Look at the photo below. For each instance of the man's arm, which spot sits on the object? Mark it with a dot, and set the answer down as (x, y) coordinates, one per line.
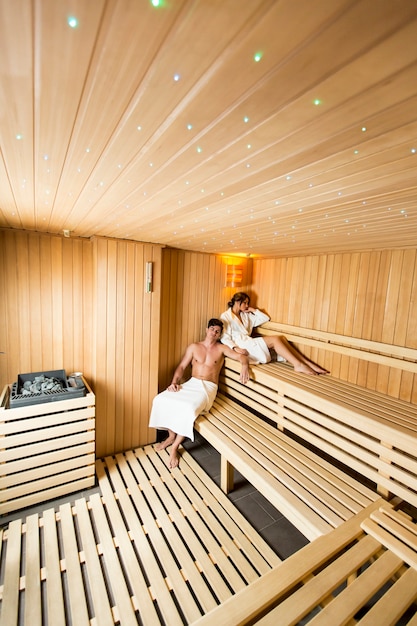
(244, 371)
(180, 369)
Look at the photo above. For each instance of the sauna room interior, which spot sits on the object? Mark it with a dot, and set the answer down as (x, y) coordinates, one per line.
(150, 148)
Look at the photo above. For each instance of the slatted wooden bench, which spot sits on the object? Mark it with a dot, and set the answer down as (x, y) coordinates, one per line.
(360, 430)
(363, 572)
(314, 495)
(371, 433)
(151, 547)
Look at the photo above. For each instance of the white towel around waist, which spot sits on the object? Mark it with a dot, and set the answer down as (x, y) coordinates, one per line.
(177, 410)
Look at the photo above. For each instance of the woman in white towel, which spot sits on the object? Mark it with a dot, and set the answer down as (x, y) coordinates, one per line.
(176, 408)
(239, 321)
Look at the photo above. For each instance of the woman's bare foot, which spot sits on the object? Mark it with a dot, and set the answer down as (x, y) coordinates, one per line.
(303, 368)
(164, 444)
(317, 368)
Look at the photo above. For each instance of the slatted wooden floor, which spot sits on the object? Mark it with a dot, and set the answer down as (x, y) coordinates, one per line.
(153, 547)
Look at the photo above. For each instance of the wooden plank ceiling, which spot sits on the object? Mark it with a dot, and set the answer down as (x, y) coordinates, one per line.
(262, 127)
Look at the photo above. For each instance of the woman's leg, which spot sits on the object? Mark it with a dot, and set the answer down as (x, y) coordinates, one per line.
(284, 348)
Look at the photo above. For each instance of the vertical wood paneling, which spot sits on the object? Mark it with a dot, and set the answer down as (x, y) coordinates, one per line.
(127, 342)
(193, 291)
(80, 305)
(48, 325)
(369, 295)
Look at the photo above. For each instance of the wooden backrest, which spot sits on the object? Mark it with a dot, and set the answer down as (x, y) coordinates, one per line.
(372, 351)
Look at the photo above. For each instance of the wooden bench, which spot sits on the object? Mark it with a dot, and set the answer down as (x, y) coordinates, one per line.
(359, 573)
(370, 433)
(314, 495)
(278, 429)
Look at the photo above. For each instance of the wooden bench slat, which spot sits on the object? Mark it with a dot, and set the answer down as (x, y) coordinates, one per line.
(403, 529)
(117, 558)
(345, 434)
(173, 528)
(303, 517)
(56, 611)
(348, 444)
(33, 609)
(212, 544)
(373, 351)
(10, 599)
(100, 600)
(76, 589)
(377, 439)
(394, 543)
(148, 613)
(115, 574)
(248, 605)
(391, 607)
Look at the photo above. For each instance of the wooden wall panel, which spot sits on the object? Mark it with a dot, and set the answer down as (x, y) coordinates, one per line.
(127, 342)
(193, 291)
(370, 295)
(45, 304)
(81, 305)
(77, 304)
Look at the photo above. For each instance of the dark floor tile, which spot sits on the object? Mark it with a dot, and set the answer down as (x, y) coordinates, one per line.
(283, 538)
(242, 488)
(269, 508)
(254, 513)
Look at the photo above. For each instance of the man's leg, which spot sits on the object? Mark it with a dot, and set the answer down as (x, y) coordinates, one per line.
(174, 457)
(166, 442)
(175, 441)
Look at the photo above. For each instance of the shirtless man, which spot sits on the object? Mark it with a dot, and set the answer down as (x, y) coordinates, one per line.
(176, 408)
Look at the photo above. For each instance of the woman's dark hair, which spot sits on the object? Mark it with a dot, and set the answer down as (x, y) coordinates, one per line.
(240, 296)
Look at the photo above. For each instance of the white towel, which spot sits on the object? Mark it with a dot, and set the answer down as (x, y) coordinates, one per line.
(177, 410)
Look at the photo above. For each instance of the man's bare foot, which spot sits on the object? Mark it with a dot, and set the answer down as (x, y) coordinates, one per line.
(174, 459)
(164, 444)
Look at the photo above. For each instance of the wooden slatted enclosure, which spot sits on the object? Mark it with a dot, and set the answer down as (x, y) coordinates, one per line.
(152, 547)
(46, 449)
